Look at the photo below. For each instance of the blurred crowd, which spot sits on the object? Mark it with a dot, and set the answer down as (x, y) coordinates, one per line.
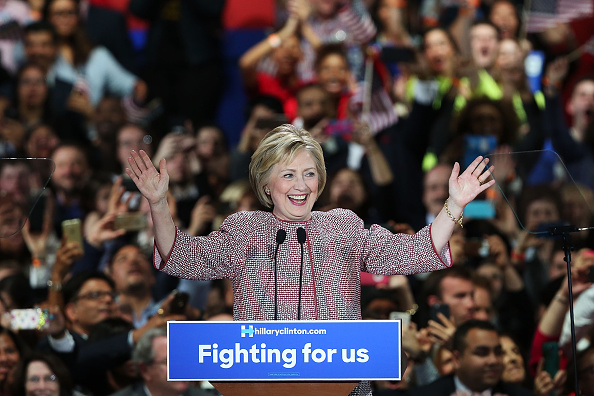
(396, 92)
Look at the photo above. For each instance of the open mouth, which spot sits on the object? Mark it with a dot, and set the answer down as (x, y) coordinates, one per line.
(298, 199)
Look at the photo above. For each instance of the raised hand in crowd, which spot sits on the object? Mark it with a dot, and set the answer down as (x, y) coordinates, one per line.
(203, 214)
(115, 204)
(555, 73)
(544, 384)
(525, 241)
(79, 102)
(318, 132)
(103, 231)
(173, 143)
(37, 241)
(300, 8)
(380, 168)
(67, 254)
(56, 323)
(413, 344)
(441, 333)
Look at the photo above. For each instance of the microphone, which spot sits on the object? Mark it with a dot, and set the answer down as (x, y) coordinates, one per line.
(281, 235)
(301, 236)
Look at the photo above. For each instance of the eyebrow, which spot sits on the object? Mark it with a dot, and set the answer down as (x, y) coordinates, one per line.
(295, 170)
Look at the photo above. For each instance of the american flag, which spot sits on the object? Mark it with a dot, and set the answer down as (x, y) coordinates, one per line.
(545, 14)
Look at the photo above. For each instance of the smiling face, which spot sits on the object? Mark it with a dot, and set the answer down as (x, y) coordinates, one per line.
(294, 187)
(41, 380)
(504, 16)
(333, 73)
(513, 362)
(9, 356)
(63, 15)
(480, 364)
(287, 56)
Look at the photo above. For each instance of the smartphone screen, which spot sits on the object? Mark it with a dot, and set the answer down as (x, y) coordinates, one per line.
(475, 145)
(73, 231)
(480, 209)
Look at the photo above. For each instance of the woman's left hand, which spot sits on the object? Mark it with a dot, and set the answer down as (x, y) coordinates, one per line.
(466, 186)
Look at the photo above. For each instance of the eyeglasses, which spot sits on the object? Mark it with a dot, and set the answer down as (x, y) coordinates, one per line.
(96, 295)
(46, 378)
(161, 363)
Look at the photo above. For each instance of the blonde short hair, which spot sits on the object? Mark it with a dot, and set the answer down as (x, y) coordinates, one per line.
(278, 146)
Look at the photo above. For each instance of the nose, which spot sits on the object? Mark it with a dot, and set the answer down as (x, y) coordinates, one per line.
(300, 183)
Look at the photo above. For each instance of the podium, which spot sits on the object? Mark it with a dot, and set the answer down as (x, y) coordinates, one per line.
(285, 357)
(263, 388)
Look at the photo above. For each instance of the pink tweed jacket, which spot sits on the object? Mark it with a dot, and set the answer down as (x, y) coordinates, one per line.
(336, 249)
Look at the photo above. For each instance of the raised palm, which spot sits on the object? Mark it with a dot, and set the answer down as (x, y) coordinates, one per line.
(151, 183)
(466, 186)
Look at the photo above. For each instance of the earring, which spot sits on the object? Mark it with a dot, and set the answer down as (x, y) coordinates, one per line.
(267, 191)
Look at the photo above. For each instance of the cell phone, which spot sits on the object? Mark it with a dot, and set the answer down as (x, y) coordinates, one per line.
(339, 128)
(475, 145)
(480, 209)
(179, 303)
(130, 221)
(129, 184)
(73, 231)
(439, 308)
(550, 353)
(403, 316)
(270, 123)
(29, 319)
(397, 54)
(37, 215)
(476, 248)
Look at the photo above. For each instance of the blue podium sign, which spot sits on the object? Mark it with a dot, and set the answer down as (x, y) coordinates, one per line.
(284, 350)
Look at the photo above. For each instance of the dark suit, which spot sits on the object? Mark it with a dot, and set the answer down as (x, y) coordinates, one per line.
(445, 386)
(89, 362)
(138, 390)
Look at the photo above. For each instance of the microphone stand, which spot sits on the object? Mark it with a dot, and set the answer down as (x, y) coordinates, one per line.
(565, 232)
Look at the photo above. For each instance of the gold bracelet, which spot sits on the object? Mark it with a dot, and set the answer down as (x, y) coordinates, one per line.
(455, 220)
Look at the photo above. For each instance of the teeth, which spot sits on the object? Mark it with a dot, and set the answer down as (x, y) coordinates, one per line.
(297, 197)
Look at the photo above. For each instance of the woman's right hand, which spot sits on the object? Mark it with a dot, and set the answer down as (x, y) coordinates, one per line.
(152, 184)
